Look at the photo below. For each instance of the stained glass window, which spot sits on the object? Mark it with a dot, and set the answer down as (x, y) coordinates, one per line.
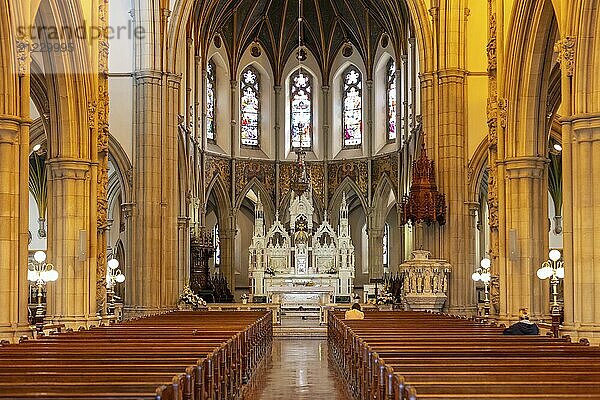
(352, 112)
(391, 100)
(301, 109)
(250, 107)
(211, 101)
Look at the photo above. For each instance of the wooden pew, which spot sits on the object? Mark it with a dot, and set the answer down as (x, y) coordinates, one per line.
(192, 356)
(389, 354)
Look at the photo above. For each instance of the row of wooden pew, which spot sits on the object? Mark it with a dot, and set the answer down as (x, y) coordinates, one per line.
(409, 355)
(172, 356)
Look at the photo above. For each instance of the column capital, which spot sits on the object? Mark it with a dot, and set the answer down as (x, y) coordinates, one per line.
(182, 222)
(525, 167)
(69, 168)
(147, 76)
(9, 129)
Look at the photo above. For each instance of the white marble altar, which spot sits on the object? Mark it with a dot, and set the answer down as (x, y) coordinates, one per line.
(319, 263)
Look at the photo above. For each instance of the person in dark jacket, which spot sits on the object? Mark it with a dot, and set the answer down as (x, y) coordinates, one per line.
(524, 326)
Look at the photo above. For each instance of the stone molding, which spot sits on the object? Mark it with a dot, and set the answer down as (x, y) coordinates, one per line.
(525, 167)
(65, 168)
(9, 130)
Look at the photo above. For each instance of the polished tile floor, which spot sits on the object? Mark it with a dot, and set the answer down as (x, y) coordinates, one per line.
(297, 369)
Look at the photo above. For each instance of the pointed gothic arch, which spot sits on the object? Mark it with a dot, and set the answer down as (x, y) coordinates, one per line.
(217, 190)
(346, 186)
(265, 197)
(381, 195)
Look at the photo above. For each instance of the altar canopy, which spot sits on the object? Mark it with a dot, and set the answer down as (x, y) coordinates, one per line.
(285, 262)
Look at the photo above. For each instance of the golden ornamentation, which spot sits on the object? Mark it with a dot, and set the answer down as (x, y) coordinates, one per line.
(23, 55)
(491, 45)
(386, 165)
(355, 170)
(263, 171)
(218, 166)
(566, 53)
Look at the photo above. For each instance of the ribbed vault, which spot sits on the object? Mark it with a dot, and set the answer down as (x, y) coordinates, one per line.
(329, 26)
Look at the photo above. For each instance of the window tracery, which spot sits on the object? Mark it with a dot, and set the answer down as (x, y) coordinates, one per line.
(391, 100)
(301, 109)
(211, 101)
(352, 107)
(250, 107)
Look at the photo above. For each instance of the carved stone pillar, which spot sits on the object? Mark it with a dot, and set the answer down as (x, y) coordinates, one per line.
(130, 282)
(582, 269)
(527, 230)
(227, 241)
(155, 191)
(14, 202)
(183, 233)
(375, 237)
(72, 298)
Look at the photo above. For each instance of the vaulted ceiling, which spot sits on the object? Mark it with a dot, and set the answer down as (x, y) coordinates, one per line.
(329, 26)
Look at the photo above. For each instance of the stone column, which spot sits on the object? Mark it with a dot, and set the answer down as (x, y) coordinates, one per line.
(72, 298)
(278, 144)
(327, 142)
(14, 202)
(527, 223)
(443, 105)
(130, 281)
(452, 182)
(369, 131)
(227, 238)
(155, 191)
(583, 269)
(375, 236)
(183, 229)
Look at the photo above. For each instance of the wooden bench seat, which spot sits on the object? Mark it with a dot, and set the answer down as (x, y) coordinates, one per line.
(172, 356)
(391, 354)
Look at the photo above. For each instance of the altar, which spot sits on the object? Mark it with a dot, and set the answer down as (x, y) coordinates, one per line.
(301, 265)
(293, 294)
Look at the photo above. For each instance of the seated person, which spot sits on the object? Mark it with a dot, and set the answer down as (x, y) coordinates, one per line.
(354, 312)
(524, 326)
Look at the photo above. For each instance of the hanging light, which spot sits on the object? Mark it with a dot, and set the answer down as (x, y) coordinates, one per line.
(301, 179)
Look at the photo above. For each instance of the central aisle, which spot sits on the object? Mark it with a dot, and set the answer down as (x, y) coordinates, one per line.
(297, 369)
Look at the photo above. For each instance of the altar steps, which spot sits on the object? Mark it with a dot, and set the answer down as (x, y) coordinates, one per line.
(300, 324)
(294, 332)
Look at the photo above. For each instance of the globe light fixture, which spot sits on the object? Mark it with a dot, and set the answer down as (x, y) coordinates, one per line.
(554, 270)
(39, 273)
(113, 276)
(483, 274)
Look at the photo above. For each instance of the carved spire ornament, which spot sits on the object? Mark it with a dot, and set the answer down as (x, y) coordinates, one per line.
(424, 203)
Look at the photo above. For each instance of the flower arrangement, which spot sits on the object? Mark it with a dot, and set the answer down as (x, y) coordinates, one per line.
(244, 298)
(385, 297)
(187, 296)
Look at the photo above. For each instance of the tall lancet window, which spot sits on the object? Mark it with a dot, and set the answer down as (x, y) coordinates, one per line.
(211, 101)
(352, 103)
(301, 109)
(250, 107)
(391, 100)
